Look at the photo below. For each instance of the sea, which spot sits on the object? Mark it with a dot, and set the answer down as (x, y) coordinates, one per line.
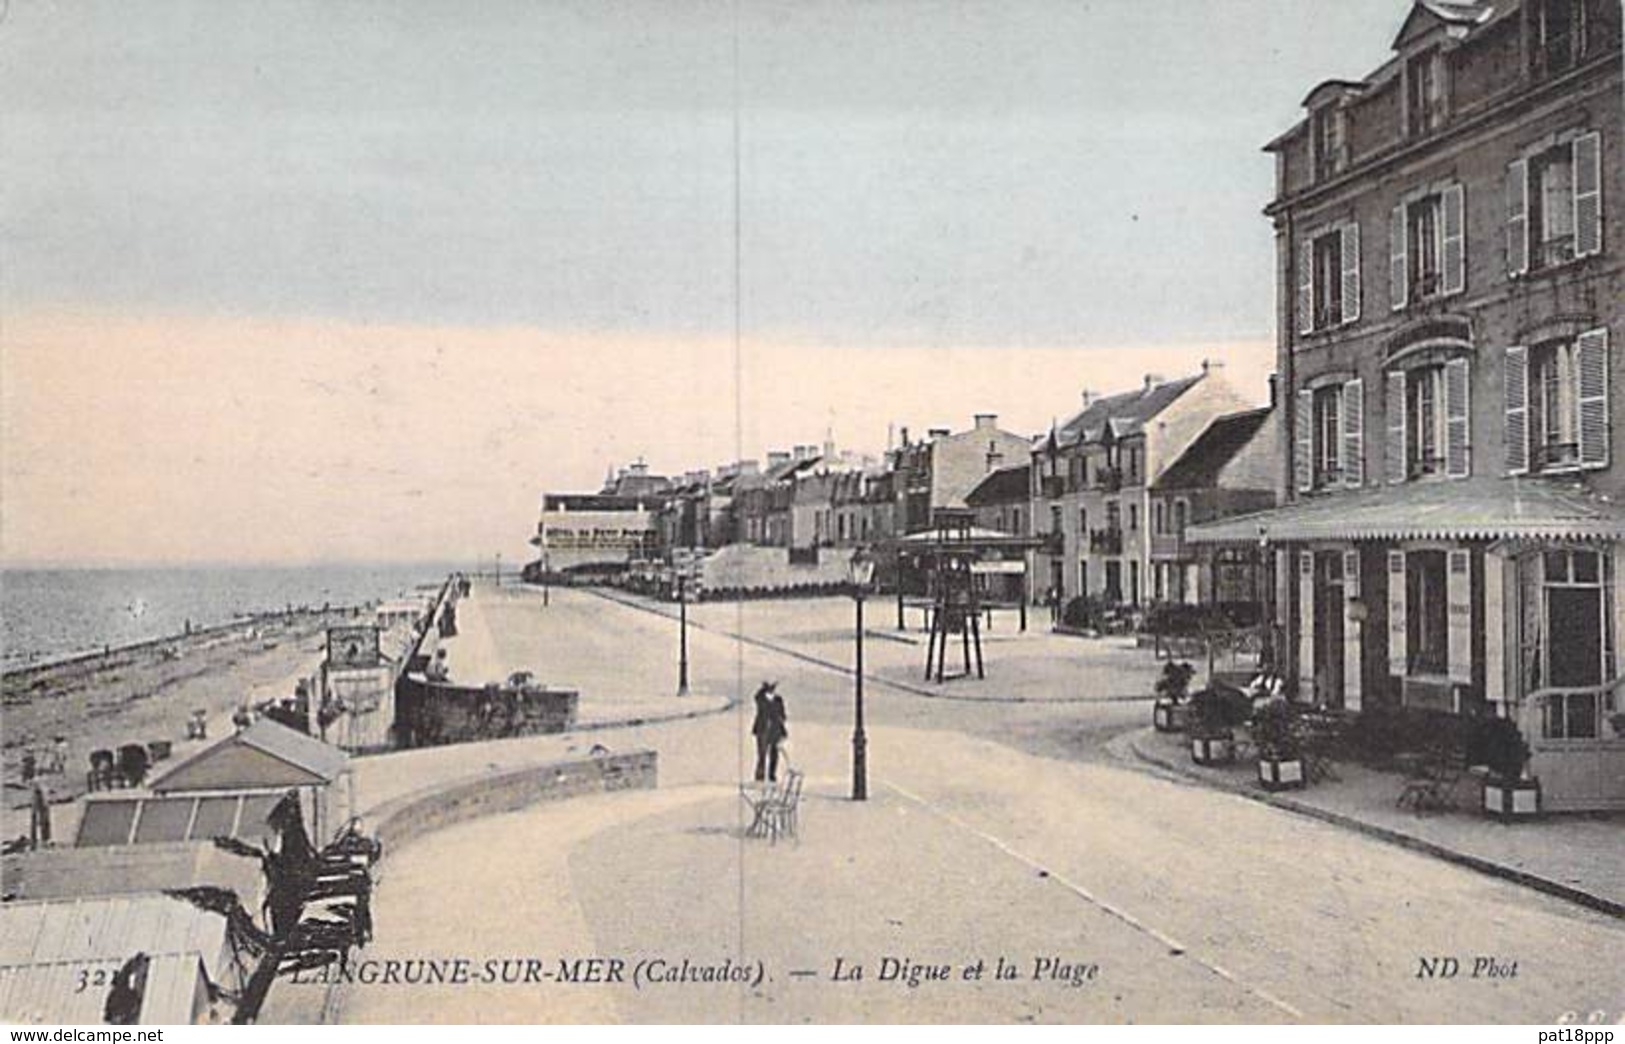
(54, 614)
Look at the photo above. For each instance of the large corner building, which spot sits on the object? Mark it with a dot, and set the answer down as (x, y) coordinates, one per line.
(1451, 243)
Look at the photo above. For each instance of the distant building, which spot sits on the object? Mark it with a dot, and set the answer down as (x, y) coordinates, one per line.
(1091, 477)
(1229, 470)
(595, 532)
(941, 470)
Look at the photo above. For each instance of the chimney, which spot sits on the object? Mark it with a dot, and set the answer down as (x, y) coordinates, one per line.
(805, 452)
(1152, 380)
(1275, 389)
(775, 458)
(1088, 398)
(936, 433)
(639, 467)
(986, 421)
(749, 467)
(904, 430)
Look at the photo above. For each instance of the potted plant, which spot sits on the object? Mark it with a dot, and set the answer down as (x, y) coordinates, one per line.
(1509, 792)
(1280, 750)
(1213, 742)
(1168, 713)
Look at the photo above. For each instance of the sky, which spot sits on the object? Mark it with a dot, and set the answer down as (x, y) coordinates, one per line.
(318, 281)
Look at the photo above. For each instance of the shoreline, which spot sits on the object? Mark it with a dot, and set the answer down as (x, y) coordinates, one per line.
(53, 661)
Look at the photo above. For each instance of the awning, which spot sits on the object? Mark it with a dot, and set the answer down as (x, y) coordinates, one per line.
(1478, 509)
(975, 538)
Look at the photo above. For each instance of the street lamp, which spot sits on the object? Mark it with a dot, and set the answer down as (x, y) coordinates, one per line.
(860, 574)
(682, 632)
(1266, 617)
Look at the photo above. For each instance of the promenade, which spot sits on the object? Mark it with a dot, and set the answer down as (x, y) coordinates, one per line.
(999, 826)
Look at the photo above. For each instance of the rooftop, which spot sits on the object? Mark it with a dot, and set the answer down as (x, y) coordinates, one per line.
(1199, 466)
(1002, 487)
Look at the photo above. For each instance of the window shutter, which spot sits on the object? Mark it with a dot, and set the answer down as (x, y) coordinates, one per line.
(1458, 418)
(1352, 628)
(1306, 286)
(1454, 254)
(1592, 349)
(1303, 427)
(1351, 271)
(1397, 626)
(1393, 446)
(1517, 218)
(1306, 625)
(1459, 593)
(1516, 428)
(1354, 433)
(1587, 194)
(1495, 626)
(1397, 263)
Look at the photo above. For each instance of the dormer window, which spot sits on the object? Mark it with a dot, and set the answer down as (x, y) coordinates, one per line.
(1326, 141)
(1558, 35)
(1424, 93)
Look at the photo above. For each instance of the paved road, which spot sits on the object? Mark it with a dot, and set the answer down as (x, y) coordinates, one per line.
(1191, 905)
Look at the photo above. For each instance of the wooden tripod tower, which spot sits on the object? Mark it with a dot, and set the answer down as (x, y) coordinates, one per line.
(954, 607)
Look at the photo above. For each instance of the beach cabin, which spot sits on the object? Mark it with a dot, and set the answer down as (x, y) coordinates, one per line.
(142, 959)
(225, 790)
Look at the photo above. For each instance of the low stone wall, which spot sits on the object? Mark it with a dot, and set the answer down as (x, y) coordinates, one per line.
(413, 815)
(429, 714)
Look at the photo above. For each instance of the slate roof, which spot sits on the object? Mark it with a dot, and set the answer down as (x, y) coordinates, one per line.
(1199, 466)
(277, 741)
(1125, 411)
(1474, 509)
(1005, 486)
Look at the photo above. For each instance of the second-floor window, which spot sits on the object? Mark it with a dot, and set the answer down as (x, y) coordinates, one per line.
(1329, 278)
(1427, 246)
(1181, 510)
(1159, 518)
(1114, 518)
(1554, 205)
(1329, 430)
(1557, 416)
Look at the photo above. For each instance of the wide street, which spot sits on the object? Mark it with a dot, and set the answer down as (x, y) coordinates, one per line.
(1000, 831)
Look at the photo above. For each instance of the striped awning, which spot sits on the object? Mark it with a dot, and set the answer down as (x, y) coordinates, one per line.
(1480, 509)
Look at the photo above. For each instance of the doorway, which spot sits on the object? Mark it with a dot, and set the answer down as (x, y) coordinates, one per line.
(1329, 629)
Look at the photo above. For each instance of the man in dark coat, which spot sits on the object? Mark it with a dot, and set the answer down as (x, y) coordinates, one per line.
(769, 729)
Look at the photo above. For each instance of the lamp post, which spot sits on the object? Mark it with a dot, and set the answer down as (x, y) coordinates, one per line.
(1266, 618)
(682, 633)
(860, 573)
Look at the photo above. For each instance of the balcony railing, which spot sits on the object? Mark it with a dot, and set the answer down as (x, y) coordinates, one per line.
(1052, 486)
(1557, 454)
(1108, 479)
(1054, 543)
(1421, 467)
(1168, 546)
(1106, 541)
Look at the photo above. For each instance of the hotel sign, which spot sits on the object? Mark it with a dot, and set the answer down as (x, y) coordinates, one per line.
(352, 647)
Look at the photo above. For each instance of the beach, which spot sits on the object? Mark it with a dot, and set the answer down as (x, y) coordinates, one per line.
(146, 692)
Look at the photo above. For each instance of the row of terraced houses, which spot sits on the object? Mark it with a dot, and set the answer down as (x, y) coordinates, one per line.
(1428, 512)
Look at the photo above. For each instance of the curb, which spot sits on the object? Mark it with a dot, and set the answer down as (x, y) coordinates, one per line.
(906, 687)
(1557, 889)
